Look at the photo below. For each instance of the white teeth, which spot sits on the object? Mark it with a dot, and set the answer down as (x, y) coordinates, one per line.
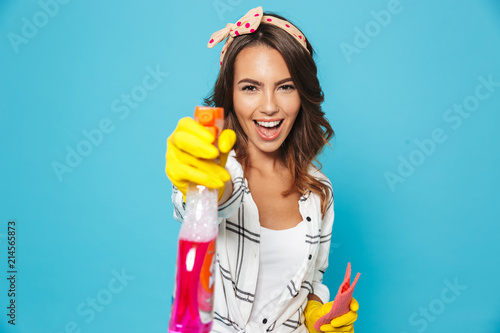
(268, 123)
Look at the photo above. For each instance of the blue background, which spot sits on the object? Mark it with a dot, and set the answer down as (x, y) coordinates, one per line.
(111, 214)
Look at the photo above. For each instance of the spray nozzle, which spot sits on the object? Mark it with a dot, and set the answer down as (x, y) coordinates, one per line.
(210, 117)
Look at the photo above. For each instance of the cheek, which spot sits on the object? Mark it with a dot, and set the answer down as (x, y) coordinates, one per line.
(241, 116)
(292, 106)
(241, 120)
(242, 107)
(243, 102)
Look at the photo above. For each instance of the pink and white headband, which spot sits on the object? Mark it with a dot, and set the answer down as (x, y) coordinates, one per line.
(248, 24)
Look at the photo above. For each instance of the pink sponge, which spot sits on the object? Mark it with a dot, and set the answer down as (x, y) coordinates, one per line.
(342, 300)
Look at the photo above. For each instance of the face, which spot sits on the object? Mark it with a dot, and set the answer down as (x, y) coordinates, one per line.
(265, 99)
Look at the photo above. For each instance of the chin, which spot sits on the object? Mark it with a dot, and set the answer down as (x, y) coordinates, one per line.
(269, 147)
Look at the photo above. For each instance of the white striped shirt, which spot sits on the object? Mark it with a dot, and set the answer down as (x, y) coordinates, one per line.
(238, 259)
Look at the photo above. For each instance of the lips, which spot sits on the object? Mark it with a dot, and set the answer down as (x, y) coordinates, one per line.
(268, 129)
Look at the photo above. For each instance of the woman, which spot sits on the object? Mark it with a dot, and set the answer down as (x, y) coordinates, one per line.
(275, 208)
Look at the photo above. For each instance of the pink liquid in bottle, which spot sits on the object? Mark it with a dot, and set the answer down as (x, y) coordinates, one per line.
(193, 305)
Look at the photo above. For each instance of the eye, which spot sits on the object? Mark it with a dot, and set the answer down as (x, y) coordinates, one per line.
(249, 88)
(287, 87)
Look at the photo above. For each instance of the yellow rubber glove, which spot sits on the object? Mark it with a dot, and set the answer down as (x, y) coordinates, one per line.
(190, 155)
(315, 310)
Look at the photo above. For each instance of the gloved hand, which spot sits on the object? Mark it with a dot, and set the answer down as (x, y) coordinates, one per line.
(190, 154)
(315, 310)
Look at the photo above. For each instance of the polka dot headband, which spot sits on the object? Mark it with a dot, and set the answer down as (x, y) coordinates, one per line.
(248, 24)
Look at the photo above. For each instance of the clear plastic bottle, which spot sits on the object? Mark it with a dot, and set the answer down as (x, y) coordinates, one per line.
(192, 308)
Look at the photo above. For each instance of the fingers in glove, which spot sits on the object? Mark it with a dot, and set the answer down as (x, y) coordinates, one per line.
(193, 138)
(199, 177)
(226, 140)
(207, 166)
(192, 144)
(330, 328)
(325, 308)
(214, 175)
(354, 306)
(347, 319)
(189, 125)
(181, 184)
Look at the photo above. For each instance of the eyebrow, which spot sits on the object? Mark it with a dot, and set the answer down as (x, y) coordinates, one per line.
(257, 83)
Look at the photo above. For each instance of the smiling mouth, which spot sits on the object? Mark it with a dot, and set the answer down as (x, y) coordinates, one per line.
(268, 130)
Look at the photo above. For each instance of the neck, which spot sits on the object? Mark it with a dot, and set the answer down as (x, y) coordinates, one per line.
(263, 161)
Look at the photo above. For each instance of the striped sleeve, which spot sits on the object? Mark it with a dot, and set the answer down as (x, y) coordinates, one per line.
(232, 204)
(320, 289)
(179, 205)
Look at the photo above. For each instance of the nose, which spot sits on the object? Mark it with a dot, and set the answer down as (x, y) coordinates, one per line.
(269, 105)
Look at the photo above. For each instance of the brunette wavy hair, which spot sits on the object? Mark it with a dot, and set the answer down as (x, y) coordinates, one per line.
(311, 130)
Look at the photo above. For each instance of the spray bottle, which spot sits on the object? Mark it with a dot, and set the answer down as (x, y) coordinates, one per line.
(192, 308)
